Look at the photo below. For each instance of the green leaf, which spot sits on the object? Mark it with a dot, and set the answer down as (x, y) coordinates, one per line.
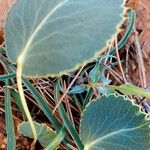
(45, 108)
(57, 140)
(77, 89)
(130, 89)
(114, 123)
(11, 139)
(39, 33)
(88, 96)
(67, 123)
(2, 50)
(15, 95)
(7, 76)
(95, 73)
(45, 134)
(122, 42)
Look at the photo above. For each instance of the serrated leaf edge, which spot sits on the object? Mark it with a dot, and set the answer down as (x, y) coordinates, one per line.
(98, 53)
(42, 124)
(146, 118)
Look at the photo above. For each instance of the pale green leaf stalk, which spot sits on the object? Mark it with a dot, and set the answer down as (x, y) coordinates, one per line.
(130, 89)
(24, 104)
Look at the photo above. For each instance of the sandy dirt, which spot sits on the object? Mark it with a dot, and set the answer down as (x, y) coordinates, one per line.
(5, 6)
(142, 8)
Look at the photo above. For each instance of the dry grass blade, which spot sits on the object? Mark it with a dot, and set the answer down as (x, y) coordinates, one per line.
(119, 61)
(140, 61)
(70, 85)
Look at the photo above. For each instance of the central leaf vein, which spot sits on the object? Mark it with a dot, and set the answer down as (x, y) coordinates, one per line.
(38, 28)
(87, 146)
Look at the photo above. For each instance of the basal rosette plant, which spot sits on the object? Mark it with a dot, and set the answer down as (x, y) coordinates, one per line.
(51, 37)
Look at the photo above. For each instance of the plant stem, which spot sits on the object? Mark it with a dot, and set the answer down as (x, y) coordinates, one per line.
(23, 100)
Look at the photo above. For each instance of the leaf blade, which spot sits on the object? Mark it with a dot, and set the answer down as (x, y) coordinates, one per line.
(57, 140)
(114, 122)
(66, 30)
(11, 139)
(45, 133)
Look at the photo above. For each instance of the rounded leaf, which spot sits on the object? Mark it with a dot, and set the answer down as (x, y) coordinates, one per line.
(50, 36)
(114, 123)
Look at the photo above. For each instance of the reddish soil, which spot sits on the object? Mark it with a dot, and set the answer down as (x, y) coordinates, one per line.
(5, 5)
(143, 23)
(142, 8)
(22, 143)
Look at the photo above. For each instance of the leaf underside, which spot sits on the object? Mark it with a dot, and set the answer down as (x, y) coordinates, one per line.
(114, 123)
(51, 36)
